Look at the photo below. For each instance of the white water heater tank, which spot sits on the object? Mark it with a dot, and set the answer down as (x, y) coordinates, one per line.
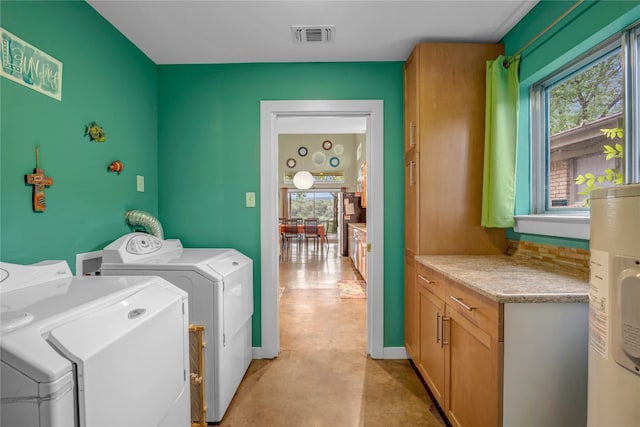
(614, 308)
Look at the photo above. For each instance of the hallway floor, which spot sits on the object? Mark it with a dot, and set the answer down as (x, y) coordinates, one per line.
(323, 376)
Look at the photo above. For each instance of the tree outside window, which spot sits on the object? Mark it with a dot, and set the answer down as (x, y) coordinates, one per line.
(584, 112)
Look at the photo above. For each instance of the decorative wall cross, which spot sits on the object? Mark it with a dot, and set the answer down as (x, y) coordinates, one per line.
(39, 182)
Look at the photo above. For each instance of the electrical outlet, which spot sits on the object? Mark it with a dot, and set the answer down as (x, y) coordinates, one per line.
(250, 199)
(140, 183)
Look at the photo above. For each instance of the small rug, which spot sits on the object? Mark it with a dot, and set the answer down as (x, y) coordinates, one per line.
(352, 288)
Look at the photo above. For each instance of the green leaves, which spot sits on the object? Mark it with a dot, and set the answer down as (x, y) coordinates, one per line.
(610, 175)
(614, 152)
(613, 133)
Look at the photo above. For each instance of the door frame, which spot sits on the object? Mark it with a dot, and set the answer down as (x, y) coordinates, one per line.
(373, 111)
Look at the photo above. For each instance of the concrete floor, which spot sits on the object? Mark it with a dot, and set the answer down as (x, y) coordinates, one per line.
(323, 376)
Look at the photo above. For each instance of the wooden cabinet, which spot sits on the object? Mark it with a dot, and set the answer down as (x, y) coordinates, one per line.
(411, 319)
(410, 102)
(432, 317)
(351, 243)
(491, 363)
(472, 372)
(473, 358)
(444, 149)
(444, 102)
(460, 350)
(358, 248)
(361, 263)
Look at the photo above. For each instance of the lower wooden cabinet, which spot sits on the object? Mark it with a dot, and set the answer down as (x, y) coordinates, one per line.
(411, 319)
(431, 359)
(460, 352)
(496, 364)
(472, 369)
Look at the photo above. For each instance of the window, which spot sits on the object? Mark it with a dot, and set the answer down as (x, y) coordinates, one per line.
(313, 204)
(582, 122)
(318, 178)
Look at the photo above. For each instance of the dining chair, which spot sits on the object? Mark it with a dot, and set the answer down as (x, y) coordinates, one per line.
(290, 233)
(331, 233)
(311, 231)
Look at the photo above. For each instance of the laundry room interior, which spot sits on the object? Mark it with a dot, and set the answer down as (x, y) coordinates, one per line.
(165, 178)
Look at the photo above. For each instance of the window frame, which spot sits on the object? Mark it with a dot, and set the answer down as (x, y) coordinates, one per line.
(575, 223)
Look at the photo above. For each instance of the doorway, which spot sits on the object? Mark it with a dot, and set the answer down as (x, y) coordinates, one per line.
(272, 115)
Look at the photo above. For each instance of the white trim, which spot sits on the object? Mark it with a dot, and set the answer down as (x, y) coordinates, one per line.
(373, 111)
(395, 353)
(570, 226)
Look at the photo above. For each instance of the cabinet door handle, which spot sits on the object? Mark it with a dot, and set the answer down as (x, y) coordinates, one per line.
(411, 163)
(421, 277)
(459, 301)
(412, 126)
(437, 327)
(442, 341)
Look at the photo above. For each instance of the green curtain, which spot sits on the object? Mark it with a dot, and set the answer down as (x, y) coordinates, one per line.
(501, 126)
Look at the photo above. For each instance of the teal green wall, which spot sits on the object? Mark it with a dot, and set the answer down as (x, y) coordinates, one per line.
(193, 131)
(106, 79)
(209, 155)
(591, 23)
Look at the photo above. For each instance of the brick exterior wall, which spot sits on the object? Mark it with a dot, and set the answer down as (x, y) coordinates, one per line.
(559, 181)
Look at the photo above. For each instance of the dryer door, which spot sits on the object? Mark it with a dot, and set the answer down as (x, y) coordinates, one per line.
(131, 360)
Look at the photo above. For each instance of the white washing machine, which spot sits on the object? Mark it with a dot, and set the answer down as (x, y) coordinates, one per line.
(91, 351)
(220, 287)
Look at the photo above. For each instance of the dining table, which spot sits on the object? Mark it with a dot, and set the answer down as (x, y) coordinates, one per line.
(321, 231)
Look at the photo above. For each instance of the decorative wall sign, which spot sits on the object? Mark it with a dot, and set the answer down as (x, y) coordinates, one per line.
(29, 66)
(338, 149)
(291, 163)
(334, 162)
(302, 151)
(39, 182)
(327, 144)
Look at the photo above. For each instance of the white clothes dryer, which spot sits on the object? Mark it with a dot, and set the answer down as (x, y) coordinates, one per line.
(220, 287)
(92, 351)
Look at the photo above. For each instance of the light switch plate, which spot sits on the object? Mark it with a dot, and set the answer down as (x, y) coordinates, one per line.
(140, 183)
(250, 199)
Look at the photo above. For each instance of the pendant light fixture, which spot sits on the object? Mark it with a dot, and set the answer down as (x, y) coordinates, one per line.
(303, 180)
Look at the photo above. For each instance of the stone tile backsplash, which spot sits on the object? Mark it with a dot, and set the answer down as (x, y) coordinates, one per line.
(571, 260)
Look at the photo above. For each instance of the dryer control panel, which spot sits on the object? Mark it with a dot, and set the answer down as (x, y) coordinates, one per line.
(139, 247)
(143, 244)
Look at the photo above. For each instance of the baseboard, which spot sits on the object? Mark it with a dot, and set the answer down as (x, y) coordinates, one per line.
(387, 353)
(394, 353)
(259, 353)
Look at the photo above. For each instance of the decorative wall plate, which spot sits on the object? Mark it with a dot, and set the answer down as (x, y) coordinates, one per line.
(334, 162)
(318, 158)
(291, 163)
(327, 144)
(302, 151)
(338, 149)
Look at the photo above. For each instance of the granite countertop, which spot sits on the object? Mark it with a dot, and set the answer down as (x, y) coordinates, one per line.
(508, 279)
(362, 226)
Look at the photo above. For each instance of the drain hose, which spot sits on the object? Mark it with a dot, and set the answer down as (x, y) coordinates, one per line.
(146, 220)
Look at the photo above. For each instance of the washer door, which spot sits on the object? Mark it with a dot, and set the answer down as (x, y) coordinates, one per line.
(131, 360)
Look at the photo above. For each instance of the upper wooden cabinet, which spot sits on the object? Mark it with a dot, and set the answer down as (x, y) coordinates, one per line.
(410, 102)
(444, 149)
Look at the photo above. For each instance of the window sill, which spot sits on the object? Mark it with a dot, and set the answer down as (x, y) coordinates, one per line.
(569, 226)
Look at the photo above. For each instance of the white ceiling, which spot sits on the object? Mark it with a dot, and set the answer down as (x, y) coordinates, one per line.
(240, 31)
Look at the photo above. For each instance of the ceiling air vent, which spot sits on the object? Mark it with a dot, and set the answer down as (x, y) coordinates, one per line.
(313, 33)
